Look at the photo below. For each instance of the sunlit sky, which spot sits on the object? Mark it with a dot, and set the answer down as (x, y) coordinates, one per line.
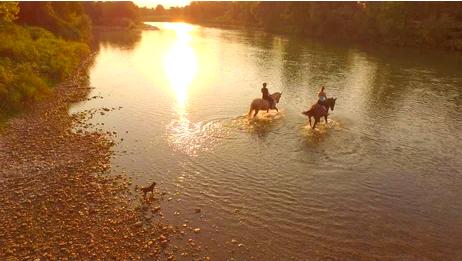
(165, 3)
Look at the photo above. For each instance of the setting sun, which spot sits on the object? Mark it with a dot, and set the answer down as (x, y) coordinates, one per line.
(165, 3)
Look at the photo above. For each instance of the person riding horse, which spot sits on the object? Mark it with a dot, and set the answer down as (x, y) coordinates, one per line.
(321, 108)
(266, 95)
(322, 97)
(266, 103)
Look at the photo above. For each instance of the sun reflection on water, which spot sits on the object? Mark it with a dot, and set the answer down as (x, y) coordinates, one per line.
(181, 66)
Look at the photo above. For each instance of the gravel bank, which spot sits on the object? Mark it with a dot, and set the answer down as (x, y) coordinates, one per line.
(56, 202)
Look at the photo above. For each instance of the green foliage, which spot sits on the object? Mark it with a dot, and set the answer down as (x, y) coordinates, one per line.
(32, 60)
(121, 13)
(65, 19)
(423, 24)
(160, 10)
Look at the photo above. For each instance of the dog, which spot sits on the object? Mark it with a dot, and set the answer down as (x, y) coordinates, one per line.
(148, 189)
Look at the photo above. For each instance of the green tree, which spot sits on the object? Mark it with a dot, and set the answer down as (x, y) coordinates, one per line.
(112, 13)
(160, 10)
(65, 19)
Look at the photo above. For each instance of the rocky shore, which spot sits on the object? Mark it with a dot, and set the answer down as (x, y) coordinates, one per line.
(56, 201)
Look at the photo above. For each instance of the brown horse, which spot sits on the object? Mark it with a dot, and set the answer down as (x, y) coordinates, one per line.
(317, 111)
(261, 104)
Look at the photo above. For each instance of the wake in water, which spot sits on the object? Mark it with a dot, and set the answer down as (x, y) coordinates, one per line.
(261, 124)
(320, 132)
(192, 138)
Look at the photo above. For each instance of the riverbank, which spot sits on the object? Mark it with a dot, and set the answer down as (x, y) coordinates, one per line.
(330, 41)
(139, 27)
(56, 201)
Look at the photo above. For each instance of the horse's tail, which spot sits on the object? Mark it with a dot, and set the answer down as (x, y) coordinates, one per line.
(308, 112)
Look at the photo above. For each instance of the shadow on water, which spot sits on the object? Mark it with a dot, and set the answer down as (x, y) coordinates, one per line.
(115, 38)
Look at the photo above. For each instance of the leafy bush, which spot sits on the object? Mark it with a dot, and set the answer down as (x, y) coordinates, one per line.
(32, 60)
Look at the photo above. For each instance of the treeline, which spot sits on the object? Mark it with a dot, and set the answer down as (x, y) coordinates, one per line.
(423, 24)
(73, 20)
(42, 43)
(122, 13)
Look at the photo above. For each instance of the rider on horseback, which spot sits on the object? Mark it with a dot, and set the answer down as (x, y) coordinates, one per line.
(322, 97)
(266, 96)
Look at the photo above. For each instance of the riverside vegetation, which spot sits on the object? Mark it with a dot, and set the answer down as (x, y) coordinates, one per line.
(435, 25)
(44, 42)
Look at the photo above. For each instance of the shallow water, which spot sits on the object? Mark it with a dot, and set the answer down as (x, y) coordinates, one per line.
(382, 180)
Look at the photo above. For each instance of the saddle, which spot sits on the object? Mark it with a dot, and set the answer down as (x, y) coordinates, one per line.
(319, 109)
(270, 102)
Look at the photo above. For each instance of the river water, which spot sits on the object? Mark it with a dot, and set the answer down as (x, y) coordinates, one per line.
(381, 181)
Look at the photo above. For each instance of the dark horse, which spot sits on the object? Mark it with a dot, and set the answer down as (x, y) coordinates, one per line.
(317, 110)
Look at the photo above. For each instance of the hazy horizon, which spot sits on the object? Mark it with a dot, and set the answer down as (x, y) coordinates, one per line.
(164, 3)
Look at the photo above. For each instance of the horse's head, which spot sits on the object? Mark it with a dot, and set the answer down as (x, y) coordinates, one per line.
(276, 96)
(331, 102)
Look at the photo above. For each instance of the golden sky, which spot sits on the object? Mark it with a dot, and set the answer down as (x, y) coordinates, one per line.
(165, 3)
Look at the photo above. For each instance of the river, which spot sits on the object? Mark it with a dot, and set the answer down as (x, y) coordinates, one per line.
(381, 181)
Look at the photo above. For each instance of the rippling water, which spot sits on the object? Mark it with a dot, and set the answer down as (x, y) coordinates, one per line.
(382, 180)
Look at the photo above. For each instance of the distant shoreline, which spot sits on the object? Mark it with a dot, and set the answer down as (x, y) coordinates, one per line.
(140, 26)
(286, 31)
(353, 43)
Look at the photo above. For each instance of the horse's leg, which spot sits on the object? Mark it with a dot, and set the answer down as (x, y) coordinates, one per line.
(270, 107)
(325, 117)
(310, 120)
(316, 120)
(256, 111)
(250, 112)
(276, 108)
